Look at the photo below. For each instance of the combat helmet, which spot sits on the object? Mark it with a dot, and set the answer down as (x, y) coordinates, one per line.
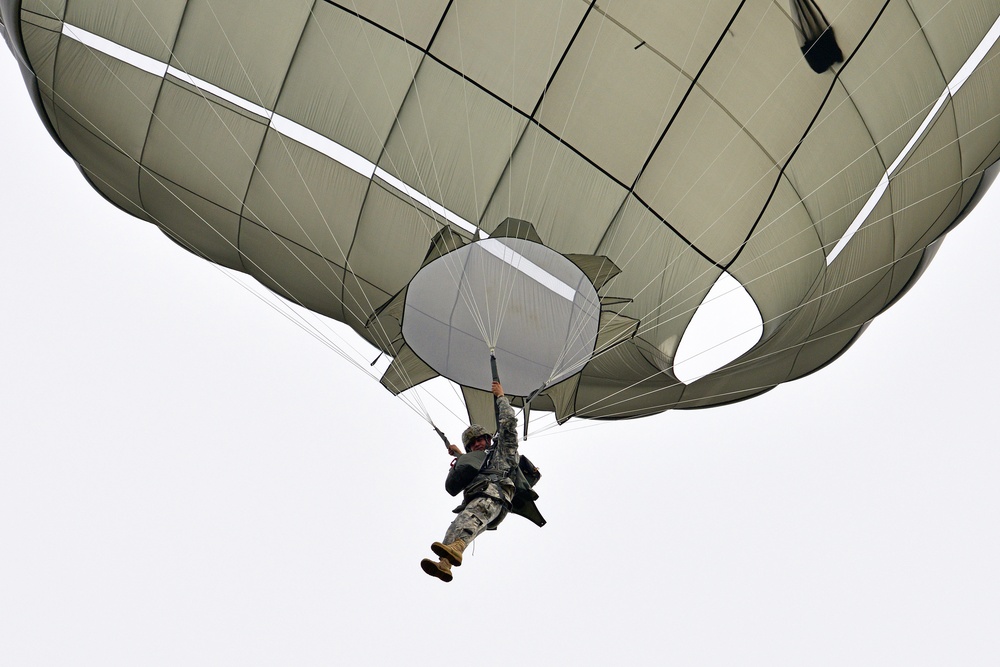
(470, 434)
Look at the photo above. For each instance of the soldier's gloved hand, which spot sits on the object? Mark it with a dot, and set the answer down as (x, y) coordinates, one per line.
(454, 450)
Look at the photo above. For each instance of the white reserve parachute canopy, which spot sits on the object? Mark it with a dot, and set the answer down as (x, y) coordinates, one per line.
(636, 206)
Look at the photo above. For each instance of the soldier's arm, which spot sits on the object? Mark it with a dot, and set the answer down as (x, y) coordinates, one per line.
(508, 420)
(507, 426)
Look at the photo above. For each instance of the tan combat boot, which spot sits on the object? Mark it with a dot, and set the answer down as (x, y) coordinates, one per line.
(440, 569)
(450, 552)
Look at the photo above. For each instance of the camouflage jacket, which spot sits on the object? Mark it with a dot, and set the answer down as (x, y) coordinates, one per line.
(502, 472)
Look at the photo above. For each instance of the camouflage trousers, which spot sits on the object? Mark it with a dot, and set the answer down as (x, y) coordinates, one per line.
(477, 516)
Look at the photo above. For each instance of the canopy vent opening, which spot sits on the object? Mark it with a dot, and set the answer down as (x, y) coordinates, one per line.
(726, 324)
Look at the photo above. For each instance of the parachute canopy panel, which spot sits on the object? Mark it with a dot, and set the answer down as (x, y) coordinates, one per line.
(534, 307)
(810, 150)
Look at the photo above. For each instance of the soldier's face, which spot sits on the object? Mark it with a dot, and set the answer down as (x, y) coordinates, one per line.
(480, 443)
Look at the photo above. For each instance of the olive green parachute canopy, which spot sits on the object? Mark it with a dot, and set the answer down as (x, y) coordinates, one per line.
(639, 206)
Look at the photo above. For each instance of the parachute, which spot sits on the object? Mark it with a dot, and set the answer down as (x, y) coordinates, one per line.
(636, 206)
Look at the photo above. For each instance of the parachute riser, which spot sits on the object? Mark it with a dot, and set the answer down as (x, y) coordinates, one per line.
(496, 401)
(527, 407)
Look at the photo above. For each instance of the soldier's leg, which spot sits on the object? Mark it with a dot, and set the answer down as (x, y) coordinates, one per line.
(473, 520)
(469, 523)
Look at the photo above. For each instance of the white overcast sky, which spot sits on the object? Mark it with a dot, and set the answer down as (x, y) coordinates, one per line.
(186, 478)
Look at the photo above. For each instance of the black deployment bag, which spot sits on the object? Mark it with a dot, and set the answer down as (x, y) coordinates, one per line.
(526, 476)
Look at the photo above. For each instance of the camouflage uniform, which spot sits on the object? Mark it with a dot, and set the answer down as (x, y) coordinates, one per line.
(487, 498)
